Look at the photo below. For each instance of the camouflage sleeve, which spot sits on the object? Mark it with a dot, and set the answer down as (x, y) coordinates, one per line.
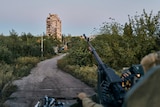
(150, 61)
(87, 102)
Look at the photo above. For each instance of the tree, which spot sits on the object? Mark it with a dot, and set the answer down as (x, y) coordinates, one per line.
(112, 27)
(78, 52)
(144, 28)
(5, 55)
(127, 30)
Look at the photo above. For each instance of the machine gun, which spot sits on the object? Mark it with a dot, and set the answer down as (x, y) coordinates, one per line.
(131, 76)
(110, 91)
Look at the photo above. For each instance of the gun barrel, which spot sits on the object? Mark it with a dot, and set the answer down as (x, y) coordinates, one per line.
(92, 49)
(111, 76)
(109, 84)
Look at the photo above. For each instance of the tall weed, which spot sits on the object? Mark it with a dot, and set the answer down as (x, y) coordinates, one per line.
(6, 74)
(6, 78)
(86, 74)
(24, 65)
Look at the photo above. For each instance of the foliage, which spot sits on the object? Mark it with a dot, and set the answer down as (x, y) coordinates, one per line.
(23, 65)
(49, 43)
(128, 45)
(27, 60)
(85, 73)
(114, 52)
(18, 55)
(118, 46)
(28, 45)
(111, 27)
(79, 50)
(8, 89)
(143, 30)
(6, 77)
(10, 72)
(5, 74)
(120, 51)
(5, 55)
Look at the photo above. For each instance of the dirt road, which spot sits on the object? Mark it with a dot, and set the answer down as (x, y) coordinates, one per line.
(46, 79)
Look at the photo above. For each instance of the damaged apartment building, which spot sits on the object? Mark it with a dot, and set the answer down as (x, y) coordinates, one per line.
(53, 26)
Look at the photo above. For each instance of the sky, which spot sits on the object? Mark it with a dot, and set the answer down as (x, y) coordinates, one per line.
(78, 16)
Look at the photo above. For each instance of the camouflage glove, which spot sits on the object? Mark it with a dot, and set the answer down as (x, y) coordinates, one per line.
(126, 80)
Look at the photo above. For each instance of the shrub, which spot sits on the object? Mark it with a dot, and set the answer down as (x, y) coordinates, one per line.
(24, 65)
(61, 63)
(86, 74)
(27, 60)
(6, 77)
(5, 55)
(7, 90)
(5, 74)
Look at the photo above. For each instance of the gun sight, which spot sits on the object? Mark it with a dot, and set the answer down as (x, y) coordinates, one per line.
(87, 39)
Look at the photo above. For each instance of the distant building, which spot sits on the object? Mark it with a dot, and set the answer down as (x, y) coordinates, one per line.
(53, 26)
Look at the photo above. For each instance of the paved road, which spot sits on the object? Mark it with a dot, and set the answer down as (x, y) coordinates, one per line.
(46, 79)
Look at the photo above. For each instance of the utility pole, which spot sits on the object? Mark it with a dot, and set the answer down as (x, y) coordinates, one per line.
(42, 46)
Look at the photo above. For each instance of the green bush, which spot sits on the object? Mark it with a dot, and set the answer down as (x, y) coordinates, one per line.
(8, 89)
(18, 55)
(22, 70)
(27, 60)
(5, 55)
(61, 63)
(86, 74)
(6, 77)
(24, 65)
(6, 74)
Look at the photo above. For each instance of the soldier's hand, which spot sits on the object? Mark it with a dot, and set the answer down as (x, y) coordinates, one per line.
(125, 75)
(126, 80)
(82, 95)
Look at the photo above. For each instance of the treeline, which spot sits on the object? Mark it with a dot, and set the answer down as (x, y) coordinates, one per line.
(118, 46)
(18, 55)
(14, 46)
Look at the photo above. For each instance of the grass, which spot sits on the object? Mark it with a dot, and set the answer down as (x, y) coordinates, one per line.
(10, 72)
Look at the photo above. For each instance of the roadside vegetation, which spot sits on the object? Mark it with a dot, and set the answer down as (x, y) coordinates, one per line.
(18, 55)
(118, 46)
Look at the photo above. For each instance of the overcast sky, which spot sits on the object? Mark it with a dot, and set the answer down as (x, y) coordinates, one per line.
(77, 16)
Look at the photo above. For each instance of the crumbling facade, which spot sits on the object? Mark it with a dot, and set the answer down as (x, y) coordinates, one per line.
(53, 26)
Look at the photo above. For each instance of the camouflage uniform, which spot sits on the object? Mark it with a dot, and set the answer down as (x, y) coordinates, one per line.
(147, 62)
(146, 93)
(150, 60)
(87, 102)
